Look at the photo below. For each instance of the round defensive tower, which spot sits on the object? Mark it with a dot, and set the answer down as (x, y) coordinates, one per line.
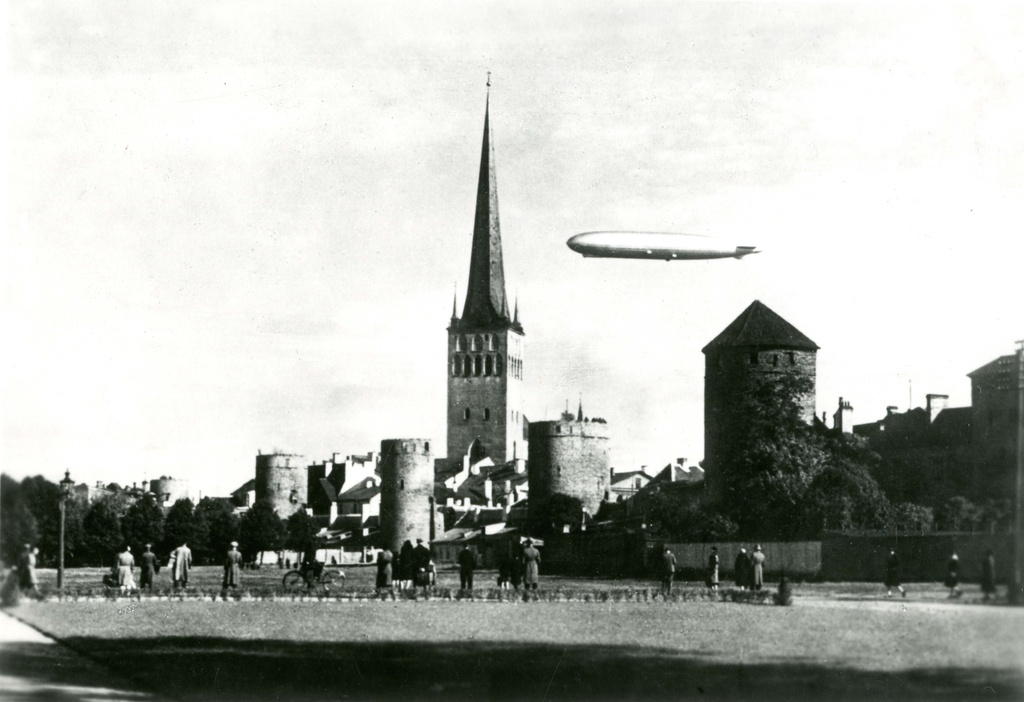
(570, 457)
(282, 479)
(757, 347)
(406, 491)
(168, 490)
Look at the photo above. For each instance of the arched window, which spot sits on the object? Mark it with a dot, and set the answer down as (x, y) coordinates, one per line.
(477, 342)
(458, 343)
(457, 365)
(488, 365)
(490, 342)
(497, 364)
(477, 365)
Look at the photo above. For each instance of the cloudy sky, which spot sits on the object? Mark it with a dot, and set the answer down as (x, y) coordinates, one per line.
(233, 227)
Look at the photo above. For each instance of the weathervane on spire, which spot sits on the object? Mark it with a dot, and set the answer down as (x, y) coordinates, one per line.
(488, 79)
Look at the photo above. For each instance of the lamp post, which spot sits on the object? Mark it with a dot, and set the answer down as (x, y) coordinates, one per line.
(65, 492)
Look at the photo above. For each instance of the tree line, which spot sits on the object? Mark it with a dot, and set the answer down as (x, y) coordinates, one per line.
(95, 532)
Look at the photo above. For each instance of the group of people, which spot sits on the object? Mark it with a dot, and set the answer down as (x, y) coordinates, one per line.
(414, 567)
(411, 566)
(180, 564)
(952, 580)
(748, 569)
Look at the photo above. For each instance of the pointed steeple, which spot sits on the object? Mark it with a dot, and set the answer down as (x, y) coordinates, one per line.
(455, 302)
(579, 415)
(486, 305)
(515, 318)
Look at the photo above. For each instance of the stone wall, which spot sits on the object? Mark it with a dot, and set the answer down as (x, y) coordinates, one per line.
(406, 491)
(571, 458)
(282, 479)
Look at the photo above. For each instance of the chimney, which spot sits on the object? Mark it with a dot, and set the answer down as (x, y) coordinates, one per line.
(936, 403)
(841, 424)
(488, 491)
(890, 410)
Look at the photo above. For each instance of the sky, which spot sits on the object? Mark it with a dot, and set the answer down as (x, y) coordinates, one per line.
(238, 227)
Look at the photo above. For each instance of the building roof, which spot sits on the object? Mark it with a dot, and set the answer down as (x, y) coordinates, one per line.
(360, 493)
(761, 327)
(486, 305)
(1001, 368)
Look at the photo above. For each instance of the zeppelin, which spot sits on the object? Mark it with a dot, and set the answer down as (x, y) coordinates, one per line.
(664, 246)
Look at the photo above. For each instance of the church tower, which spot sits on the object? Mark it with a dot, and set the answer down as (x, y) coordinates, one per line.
(485, 345)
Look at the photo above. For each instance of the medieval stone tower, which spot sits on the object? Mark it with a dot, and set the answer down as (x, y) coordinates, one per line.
(758, 345)
(282, 479)
(569, 457)
(485, 345)
(406, 491)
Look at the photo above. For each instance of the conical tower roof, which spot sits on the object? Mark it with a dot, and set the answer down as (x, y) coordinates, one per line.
(761, 327)
(486, 305)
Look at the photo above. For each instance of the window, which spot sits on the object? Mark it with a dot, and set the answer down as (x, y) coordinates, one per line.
(791, 358)
(487, 414)
(775, 360)
(477, 343)
(401, 484)
(426, 446)
(497, 364)
(458, 343)
(488, 365)
(465, 414)
(477, 365)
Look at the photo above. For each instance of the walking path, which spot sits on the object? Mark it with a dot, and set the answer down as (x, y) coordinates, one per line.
(35, 667)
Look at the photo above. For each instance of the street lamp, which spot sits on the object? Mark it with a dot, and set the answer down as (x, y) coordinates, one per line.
(65, 493)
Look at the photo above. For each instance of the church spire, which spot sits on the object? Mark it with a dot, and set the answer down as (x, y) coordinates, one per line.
(486, 305)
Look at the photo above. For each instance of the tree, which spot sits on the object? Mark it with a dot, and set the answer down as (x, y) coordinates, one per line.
(958, 514)
(260, 530)
(101, 532)
(179, 525)
(301, 532)
(845, 495)
(216, 527)
(143, 523)
(19, 528)
(909, 516)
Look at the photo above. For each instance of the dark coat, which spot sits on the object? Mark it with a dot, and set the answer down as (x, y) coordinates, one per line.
(384, 559)
(406, 562)
(233, 568)
(953, 572)
(892, 571)
(740, 570)
(988, 574)
(467, 560)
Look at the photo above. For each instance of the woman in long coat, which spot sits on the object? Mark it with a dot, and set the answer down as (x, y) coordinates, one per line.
(531, 560)
(125, 564)
(384, 572)
(233, 567)
(757, 568)
(988, 574)
(713, 569)
(406, 565)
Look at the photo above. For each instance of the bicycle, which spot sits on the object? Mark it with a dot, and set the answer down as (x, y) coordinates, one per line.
(299, 580)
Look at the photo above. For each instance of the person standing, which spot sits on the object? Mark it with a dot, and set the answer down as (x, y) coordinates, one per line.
(148, 568)
(740, 569)
(181, 563)
(953, 575)
(467, 564)
(233, 567)
(125, 565)
(531, 561)
(516, 565)
(668, 570)
(27, 579)
(421, 557)
(757, 568)
(384, 560)
(406, 566)
(712, 581)
(988, 574)
(892, 574)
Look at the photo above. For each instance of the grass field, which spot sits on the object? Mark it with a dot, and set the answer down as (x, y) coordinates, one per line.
(829, 645)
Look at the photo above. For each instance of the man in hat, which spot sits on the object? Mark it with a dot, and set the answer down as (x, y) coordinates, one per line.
(757, 568)
(531, 566)
(668, 570)
(181, 563)
(467, 564)
(150, 567)
(233, 567)
(421, 561)
(124, 567)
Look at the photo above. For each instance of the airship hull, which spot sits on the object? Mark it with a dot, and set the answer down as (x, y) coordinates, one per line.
(662, 246)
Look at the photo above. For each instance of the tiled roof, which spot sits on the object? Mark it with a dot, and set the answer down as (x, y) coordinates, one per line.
(761, 327)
